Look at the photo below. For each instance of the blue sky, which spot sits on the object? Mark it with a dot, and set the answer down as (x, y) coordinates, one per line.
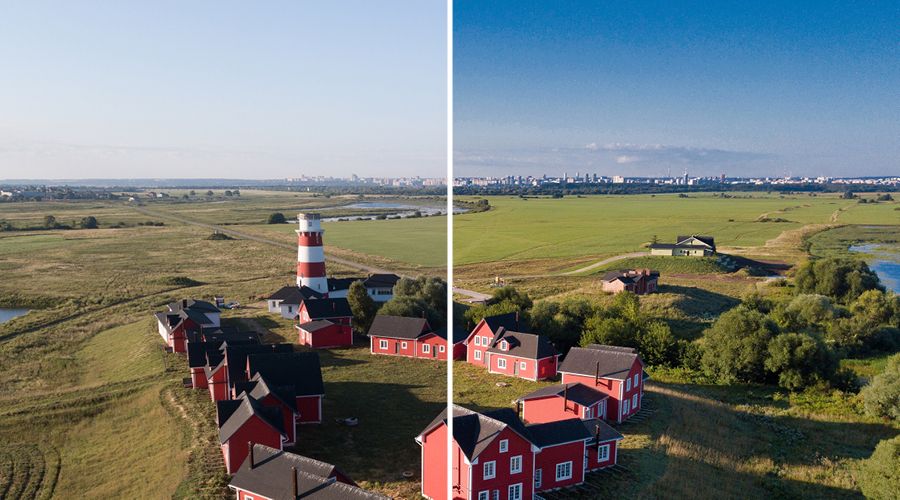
(642, 88)
(222, 89)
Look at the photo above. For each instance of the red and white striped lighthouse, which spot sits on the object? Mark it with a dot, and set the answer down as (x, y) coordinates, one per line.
(310, 255)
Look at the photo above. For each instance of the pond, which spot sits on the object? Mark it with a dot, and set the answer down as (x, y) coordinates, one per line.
(885, 262)
(8, 314)
(400, 210)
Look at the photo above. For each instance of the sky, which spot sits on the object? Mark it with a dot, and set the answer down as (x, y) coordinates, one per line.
(225, 89)
(650, 88)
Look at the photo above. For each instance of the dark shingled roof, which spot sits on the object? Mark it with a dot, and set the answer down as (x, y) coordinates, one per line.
(313, 326)
(459, 334)
(272, 476)
(709, 240)
(197, 305)
(474, 432)
(577, 392)
(508, 321)
(236, 357)
(381, 281)
(559, 432)
(601, 431)
(523, 345)
(259, 389)
(338, 284)
(301, 370)
(627, 276)
(615, 362)
(398, 327)
(293, 295)
(233, 414)
(328, 308)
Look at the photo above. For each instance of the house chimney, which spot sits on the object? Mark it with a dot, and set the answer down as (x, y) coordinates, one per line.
(597, 433)
(184, 303)
(250, 447)
(517, 321)
(296, 488)
(597, 375)
(565, 398)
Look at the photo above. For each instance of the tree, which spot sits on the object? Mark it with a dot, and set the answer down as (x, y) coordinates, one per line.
(599, 329)
(89, 222)
(362, 305)
(879, 476)
(209, 193)
(657, 344)
(509, 294)
(848, 195)
(735, 346)
(881, 397)
(276, 218)
(885, 197)
(193, 193)
(841, 279)
(227, 192)
(407, 287)
(800, 360)
(562, 322)
(805, 311)
(50, 222)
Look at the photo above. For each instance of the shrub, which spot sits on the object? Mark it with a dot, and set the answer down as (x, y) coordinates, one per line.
(89, 222)
(735, 346)
(276, 218)
(881, 396)
(800, 360)
(841, 279)
(879, 476)
(362, 305)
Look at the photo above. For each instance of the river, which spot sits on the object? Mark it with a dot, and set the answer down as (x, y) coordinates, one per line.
(8, 314)
(885, 262)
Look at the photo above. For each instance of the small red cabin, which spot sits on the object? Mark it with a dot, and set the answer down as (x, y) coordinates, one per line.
(399, 336)
(523, 355)
(482, 336)
(322, 334)
(615, 371)
(243, 421)
(561, 402)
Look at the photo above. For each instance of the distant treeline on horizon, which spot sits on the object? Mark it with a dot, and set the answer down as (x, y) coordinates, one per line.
(640, 188)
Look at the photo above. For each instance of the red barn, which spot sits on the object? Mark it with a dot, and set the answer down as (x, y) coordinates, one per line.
(398, 336)
(482, 336)
(335, 310)
(321, 334)
(243, 421)
(300, 372)
(615, 371)
(523, 355)
(273, 473)
(561, 402)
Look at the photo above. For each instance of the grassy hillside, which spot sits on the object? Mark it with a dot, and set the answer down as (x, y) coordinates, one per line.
(568, 228)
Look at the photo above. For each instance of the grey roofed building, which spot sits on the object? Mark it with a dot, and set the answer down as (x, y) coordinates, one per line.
(236, 357)
(473, 432)
(628, 276)
(558, 432)
(523, 345)
(398, 327)
(231, 414)
(300, 370)
(508, 321)
(197, 305)
(601, 431)
(294, 295)
(577, 392)
(258, 388)
(381, 281)
(328, 308)
(459, 334)
(274, 473)
(704, 240)
(595, 359)
(313, 326)
(338, 284)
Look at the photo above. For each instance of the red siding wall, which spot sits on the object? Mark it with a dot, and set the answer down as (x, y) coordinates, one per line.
(332, 336)
(218, 387)
(550, 409)
(503, 479)
(254, 430)
(593, 464)
(434, 343)
(434, 453)
(484, 332)
(547, 459)
(287, 417)
(546, 367)
(308, 407)
(394, 347)
(611, 387)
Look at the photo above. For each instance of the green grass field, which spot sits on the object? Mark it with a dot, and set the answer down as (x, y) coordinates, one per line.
(572, 227)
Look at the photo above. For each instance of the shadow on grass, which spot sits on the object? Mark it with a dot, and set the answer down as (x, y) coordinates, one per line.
(697, 301)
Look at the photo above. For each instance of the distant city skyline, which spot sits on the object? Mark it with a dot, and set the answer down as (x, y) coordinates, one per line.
(758, 89)
(223, 89)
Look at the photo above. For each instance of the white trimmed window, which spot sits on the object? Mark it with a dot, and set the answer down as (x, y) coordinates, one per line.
(383, 344)
(634, 401)
(478, 355)
(442, 348)
(588, 413)
(501, 363)
(523, 366)
(635, 380)
(603, 453)
(515, 464)
(628, 384)
(496, 495)
(484, 495)
(426, 348)
(403, 345)
(490, 470)
(504, 445)
(538, 476)
(564, 471)
(477, 340)
(504, 345)
(515, 491)
(625, 406)
(485, 341)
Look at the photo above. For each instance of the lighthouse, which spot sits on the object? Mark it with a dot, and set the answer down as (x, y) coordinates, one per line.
(310, 255)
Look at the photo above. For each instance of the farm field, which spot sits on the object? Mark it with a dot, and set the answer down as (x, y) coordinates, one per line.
(86, 367)
(573, 228)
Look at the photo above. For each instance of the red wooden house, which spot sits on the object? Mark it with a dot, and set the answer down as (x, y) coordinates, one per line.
(300, 372)
(602, 448)
(434, 344)
(183, 317)
(562, 447)
(243, 421)
(335, 310)
(276, 474)
(204, 349)
(638, 281)
(321, 334)
(524, 355)
(282, 398)
(482, 336)
(561, 402)
(399, 336)
(615, 371)
(232, 368)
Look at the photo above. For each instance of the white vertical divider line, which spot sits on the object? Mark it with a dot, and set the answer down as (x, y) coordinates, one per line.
(450, 319)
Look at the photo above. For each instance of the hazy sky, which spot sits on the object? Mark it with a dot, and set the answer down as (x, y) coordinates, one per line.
(639, 88)
(222, 88)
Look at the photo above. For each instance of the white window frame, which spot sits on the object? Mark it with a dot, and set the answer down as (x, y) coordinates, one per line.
(625, 406)
(538, 478)
(493, 470)
(628, 384)
(477, 340)
(477, 355)
(515, 461)
(484, 495)
(588, 413)
(634, 401)
(501, 363)
(504, 345)
(604, 456)
(523, 366)
(635, 384)
(442, 348)
(564, 466)
(504, 445)
(383, 344)
(485, 341)
(496, 495)
(403, 345)
(426, 348)
(517, 488)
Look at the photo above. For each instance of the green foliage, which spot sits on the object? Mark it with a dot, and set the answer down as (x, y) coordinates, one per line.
(362, 305)
(800, 360)
(503, 301)
(879, 476)
(217, 236)
(276, 218)
(50, 222)
(561, 322)
(89, 222)
(735, 346)
(419, 298)
(882, 395)
(804, 311)
(841, 279)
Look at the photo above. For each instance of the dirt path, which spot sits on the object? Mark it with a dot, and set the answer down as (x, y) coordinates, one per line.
(240, 234)
(606, 261)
